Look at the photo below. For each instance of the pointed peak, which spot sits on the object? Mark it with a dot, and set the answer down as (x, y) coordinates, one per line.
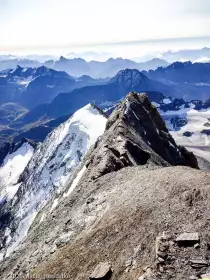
(62, 58)
(128, 74)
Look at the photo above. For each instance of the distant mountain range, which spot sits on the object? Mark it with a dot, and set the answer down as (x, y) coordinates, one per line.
(26, 120)
(77, 66)
(191, 80)
(33, 86)
(200, 55)
(33, 101)
(186, 72)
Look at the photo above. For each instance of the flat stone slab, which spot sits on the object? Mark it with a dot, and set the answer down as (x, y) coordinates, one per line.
(102, 271)
(188, 237)
(198, 263)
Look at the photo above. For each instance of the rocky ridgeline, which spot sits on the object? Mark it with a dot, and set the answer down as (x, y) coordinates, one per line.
(136, 135)
(109, 221)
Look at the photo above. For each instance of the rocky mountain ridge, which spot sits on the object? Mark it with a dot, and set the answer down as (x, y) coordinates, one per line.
(136, 146)
(77, 66)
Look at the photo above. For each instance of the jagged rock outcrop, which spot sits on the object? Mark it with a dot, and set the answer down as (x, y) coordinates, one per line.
(123, 196)
(136, 135)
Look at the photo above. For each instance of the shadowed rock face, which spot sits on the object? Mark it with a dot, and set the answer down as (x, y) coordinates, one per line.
(136, 135)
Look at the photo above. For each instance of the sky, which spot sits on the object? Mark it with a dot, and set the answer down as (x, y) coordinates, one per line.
(31, 26)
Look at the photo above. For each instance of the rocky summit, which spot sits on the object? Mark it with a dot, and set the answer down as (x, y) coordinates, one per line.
(136, 207)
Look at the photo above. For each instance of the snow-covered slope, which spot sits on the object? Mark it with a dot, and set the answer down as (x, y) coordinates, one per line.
(52, 165)
(13, 165)
(189, 124)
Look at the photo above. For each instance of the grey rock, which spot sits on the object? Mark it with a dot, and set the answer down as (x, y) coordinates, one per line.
(198, 263)
(193, 277)
(206, 276)
(102, 271)
(197, 245)
(148, 275)
(188, 238)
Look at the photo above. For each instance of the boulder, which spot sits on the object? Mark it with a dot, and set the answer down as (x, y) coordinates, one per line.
(102, 271)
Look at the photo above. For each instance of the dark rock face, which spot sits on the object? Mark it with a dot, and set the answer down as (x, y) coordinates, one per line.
(188, 133)
(136, 135)
(178, 122)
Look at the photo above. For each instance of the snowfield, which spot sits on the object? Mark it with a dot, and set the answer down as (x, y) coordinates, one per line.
(198, 142)
(195, 134)
(197, 121)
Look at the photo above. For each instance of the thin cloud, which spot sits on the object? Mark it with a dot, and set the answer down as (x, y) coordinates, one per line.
(117, 43)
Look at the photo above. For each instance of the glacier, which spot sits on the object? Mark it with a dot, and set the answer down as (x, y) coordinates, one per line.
(52, 165)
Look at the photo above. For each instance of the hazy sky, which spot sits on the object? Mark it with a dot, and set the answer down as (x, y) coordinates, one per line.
(32, 25)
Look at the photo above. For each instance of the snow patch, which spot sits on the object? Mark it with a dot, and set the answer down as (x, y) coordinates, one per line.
(128, 107)
(42, 218)
(54, 205)
(8, 235)
(50, 86)
(156, 104)
(12, 190)
(21, 232)
(166, 101)
(75, 181)
(11, 169)
(24, 82)
(1, 257)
